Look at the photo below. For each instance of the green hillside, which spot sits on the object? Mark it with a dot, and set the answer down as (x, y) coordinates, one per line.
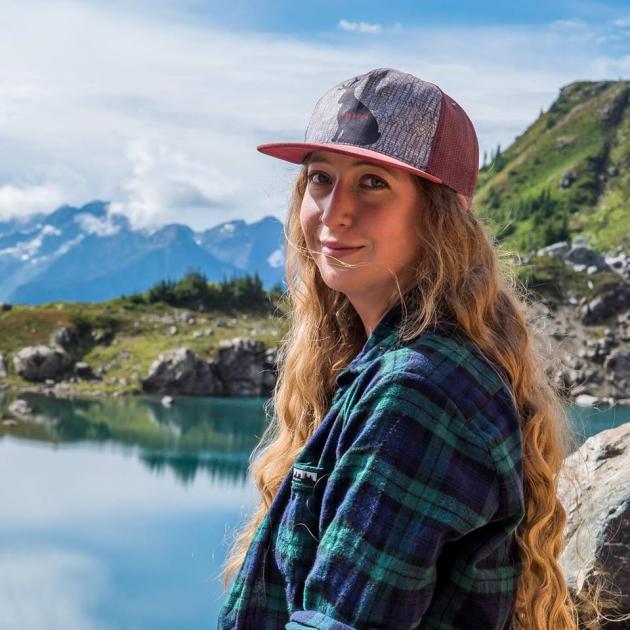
(566, 175)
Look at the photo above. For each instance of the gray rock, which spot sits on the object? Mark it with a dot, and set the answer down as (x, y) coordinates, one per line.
(102, 337)
(586, 400)
(584, 255)
(555, 249)
(608, 304)
(594, 488)
(181, 371)
(66, 338)
(167, 401)
(270, 370)
(567, 179)
(619, 263)
(3, 366)
(38, 363)
(244, 367)
(618, 362)
(84, 371)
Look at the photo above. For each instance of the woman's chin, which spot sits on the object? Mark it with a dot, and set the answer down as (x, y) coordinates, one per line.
(338, 279)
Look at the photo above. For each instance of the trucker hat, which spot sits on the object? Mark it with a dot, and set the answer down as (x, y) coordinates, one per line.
(395, 119)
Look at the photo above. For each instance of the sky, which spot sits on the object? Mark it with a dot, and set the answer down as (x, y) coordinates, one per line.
(157, 107)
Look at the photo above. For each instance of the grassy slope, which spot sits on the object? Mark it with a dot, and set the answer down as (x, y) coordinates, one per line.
(140, 334)
(587, 131)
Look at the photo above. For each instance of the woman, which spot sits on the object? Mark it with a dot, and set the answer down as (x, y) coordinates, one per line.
(408, 473)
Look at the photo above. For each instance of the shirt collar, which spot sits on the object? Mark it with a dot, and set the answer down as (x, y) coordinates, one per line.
(383, 337)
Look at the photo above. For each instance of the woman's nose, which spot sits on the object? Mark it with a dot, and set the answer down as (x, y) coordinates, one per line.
(339, 207)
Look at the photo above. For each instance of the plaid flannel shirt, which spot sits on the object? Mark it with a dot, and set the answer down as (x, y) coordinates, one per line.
(401, 510)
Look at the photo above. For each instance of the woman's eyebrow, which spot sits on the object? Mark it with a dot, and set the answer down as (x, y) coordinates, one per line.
(357, 164)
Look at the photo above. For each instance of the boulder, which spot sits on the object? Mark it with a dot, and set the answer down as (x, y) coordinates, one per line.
(586, 400)
(567, 179)
(66, 338)
(609, 303)
(181, 371)
(270, 369)
(584, 255)
(84, 371)
(3, 366)
(619, 263)
(557, 250)
(618, 362)
(38, 363)
(245, 367)
(594, 488)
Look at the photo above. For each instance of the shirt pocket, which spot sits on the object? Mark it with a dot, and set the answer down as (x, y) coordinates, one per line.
(298, 531)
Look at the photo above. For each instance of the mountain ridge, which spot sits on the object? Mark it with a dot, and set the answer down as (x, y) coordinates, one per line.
(87, 253)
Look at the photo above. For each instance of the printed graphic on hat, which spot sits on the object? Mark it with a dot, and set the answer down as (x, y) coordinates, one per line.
(355, 122)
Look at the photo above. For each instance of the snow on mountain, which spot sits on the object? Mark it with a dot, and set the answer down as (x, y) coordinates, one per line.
(88, 254)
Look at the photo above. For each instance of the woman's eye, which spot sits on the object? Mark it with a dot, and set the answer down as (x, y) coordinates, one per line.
(315, 174)
(376, 182)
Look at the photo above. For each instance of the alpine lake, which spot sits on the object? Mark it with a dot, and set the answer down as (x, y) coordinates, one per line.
(116, 513)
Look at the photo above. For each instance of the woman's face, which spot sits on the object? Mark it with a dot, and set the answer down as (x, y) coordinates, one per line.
(368, 208)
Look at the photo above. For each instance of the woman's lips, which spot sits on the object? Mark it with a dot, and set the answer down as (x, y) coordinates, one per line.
(339, 252)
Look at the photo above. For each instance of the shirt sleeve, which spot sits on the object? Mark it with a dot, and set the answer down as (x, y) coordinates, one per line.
(410, 477)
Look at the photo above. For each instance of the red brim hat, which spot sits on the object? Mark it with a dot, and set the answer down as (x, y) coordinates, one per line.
(397, 120)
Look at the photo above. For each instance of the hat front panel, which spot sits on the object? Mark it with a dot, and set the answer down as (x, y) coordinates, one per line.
(384, 110)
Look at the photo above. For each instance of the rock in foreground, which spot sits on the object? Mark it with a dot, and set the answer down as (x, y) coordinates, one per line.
(594, 488)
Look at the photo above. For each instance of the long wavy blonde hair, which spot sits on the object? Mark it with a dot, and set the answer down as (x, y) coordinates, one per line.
(459, 276)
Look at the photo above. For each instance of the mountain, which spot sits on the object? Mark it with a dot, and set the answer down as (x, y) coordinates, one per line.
(568, 174)
(88, 254)
(247, 246)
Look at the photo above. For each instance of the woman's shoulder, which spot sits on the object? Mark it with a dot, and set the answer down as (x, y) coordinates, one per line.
(447, 362)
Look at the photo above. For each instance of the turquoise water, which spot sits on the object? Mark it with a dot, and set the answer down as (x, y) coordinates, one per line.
(116, 513)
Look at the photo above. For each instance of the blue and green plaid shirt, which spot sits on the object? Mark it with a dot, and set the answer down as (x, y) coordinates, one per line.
(401, 510)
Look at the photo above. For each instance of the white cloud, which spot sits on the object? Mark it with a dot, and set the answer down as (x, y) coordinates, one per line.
(113, 481)
(359, 27)
(162, 117)
(94, 225)
(48, 587)
(20, 201)
(569, 24)
(165, 180)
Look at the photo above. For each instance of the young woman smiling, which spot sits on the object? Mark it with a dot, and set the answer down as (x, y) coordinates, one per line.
(408, 472)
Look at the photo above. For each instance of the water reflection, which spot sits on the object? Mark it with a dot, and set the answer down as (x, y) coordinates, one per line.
(214, 435)
(210, 435)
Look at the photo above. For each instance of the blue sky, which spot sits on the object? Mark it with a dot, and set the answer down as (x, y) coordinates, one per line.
(322, 16)
(158, 106)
